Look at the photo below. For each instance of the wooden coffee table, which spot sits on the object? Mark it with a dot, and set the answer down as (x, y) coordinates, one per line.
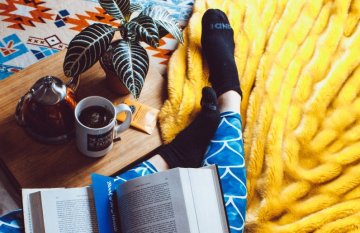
(31, 164)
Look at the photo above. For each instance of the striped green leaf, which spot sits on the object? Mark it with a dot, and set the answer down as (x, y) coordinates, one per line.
(86, 48)
(119, 9)
(131, 64)
(164, 21)
(135, 7)
(145, 29)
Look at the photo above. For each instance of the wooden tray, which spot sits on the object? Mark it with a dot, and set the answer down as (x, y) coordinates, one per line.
(31, 164)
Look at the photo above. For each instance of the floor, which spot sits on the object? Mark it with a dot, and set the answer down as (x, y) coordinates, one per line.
(7, 202)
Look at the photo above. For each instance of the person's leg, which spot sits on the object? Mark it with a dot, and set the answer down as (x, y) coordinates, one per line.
(141, 169)
(12, 222)
(226, 149)
(188, 147)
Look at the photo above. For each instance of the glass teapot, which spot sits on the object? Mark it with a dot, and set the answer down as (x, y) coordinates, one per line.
(47, 110)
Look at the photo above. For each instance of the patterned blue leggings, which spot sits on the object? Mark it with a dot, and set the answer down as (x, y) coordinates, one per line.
(225, 150)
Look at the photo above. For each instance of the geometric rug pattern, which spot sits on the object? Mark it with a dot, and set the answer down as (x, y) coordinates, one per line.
(34, 30)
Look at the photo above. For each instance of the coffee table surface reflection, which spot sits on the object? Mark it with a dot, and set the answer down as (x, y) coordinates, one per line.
(31, 164)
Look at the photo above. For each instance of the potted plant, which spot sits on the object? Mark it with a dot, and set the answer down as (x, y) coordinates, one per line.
(124, 58)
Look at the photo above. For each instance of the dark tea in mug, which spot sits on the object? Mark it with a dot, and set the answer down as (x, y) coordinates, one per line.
(96, 126)
(96, 116)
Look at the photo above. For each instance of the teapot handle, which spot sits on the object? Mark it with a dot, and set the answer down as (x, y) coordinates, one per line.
(19, 114)
(74, 83)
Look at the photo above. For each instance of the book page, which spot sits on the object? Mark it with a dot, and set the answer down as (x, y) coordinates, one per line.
(207, 198)
(69, 210)
(27, 208)
(153, 203)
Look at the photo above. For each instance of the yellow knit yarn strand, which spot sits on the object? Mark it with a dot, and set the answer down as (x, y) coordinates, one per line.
(299, 68)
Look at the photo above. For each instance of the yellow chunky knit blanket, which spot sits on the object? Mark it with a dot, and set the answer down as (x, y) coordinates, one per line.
(299, 67)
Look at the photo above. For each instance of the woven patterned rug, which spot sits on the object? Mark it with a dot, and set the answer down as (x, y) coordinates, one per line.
(34, 30)
(299, 66)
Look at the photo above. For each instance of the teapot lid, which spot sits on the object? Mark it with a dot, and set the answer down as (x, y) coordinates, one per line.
(48, 90)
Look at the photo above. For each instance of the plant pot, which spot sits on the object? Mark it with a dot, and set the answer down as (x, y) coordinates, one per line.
(112, 80)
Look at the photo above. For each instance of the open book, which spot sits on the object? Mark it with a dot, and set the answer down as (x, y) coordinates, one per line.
(183, 200)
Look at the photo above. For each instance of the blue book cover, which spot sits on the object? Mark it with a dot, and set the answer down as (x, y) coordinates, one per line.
(105, 195)
(105, 202)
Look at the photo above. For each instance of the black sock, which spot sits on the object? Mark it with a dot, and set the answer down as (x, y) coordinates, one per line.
(217, 42)
(189, 146)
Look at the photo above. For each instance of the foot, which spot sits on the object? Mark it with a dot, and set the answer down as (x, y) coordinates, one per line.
(189, 146)
(217, 41)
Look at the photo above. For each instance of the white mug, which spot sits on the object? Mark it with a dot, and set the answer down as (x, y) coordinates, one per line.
(96, 142)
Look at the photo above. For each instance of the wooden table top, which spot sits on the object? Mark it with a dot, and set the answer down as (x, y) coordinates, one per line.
(34, 165)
